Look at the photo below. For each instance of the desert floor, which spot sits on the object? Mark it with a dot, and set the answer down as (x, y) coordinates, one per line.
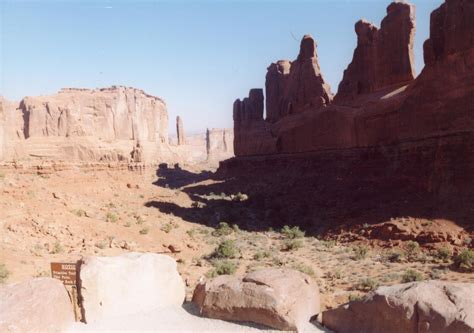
(66, 215)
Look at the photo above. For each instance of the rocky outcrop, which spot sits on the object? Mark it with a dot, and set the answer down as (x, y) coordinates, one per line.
(110, 114)
(180, 131)
(219, 144)
(431, 306)
(279, 298)
(298, 86)
(390, 107)
(383, 57)
(129, 284)
(38, 305)
(87, 125)
(251, 132)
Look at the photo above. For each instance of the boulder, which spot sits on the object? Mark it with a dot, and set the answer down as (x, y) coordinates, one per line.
(431, 306)
(129, 284)
(38, 305)
(279, 298)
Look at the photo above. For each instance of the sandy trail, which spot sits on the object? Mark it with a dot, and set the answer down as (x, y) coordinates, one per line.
(171, 320)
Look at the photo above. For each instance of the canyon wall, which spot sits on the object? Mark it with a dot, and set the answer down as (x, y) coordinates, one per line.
(80, 125)
(116, 124)
(387, 146)
(379, 102)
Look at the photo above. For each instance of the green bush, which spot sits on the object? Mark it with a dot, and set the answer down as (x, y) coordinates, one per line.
(223, 267)
(226, 249)
(57, 248)
(443, 254)
(303, 269)
(261, 255)
(360, 252)
(292, 233)
(394, 256)
(4, 273)
(367, 284)
(144, 231)
(111, 217)
(410, 276)
(412, 250)
(464, 261)
(292, 244)
(223, 229)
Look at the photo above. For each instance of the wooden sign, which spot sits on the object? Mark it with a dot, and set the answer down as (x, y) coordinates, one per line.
(66, 272)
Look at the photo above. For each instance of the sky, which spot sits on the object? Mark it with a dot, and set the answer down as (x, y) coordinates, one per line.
(199, 56)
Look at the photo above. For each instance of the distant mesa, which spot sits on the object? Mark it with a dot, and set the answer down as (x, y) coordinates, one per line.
(116, 124)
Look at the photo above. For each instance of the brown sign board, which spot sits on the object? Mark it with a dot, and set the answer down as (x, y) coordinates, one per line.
(66, 272)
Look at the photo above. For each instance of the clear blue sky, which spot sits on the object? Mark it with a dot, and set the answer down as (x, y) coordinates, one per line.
(197, 55)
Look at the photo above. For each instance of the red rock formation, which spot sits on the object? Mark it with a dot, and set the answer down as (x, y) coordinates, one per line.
(439, 102)
(383, 57)
(251, 133)
(180, 131)
(298, 86)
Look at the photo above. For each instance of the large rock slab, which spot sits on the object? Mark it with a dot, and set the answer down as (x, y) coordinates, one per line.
(279, 298)
(129, 284)
(38, 305)
(431, 306)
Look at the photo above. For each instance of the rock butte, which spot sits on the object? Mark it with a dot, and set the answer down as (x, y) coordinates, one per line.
(380, 109)
(114, 124)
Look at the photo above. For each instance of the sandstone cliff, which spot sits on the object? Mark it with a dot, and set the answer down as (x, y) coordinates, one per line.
(378, 101)
(397, 147)
(383, 57)
(87, 125)
(298, 86)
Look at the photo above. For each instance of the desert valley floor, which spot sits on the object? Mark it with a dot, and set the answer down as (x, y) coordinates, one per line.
(66, 215)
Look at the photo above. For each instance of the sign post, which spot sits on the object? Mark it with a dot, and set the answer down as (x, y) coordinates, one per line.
(67, 273)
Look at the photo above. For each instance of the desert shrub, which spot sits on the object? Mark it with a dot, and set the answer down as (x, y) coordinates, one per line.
(303, 268)
(167, 227)
(79, 212)
(443, 254)
(436, 274)
(57, 248)
(394, 256)
(4, 273)
(226, 249)
(223, 267)
(292, 244)
(360, 252)
(240, 197)
(144, 231)
(410, 276)
(140, 220)
(412, 250)
(355, 298)
(111, 217)
(101, 245)
(292, 233)
(261, 255)
(128, 224)
(191, 233)
(367, 284)
(464, 261)
(223, 229)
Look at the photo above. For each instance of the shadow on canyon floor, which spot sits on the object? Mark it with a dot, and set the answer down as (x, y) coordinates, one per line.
(177, 177)
(320, 205)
